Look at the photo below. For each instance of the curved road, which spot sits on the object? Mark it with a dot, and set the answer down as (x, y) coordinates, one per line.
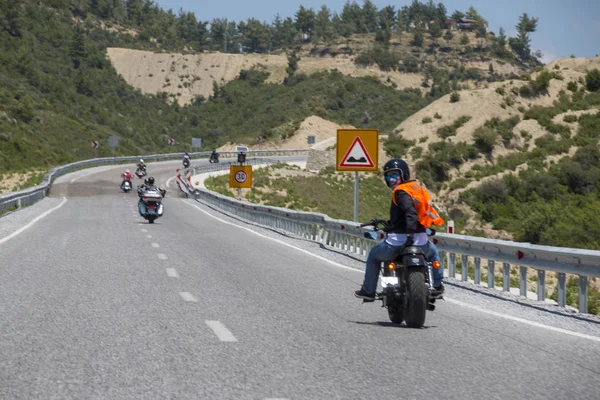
(95, 303)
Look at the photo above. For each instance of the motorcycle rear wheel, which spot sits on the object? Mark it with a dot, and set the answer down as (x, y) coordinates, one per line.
(417, 298)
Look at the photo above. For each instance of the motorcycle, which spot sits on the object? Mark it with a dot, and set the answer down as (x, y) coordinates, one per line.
(213, 158)
(152, 204)
(186, 163)
(140, 172)
(126, 185)
(406, 281)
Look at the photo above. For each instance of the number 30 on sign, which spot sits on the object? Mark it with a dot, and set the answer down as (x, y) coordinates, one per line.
(240, 176)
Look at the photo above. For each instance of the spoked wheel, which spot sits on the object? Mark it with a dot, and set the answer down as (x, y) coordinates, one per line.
(417, 298)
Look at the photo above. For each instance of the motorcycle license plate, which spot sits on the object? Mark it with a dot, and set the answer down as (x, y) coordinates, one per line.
(389, 281)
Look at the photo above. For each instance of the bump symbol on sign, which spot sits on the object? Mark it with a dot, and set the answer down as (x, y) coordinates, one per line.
(240, 176)
(357, 156)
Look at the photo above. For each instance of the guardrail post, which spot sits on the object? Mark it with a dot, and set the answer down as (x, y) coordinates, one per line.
(477, 271)
(583, 294)
(452, 265)
(561, 287)
(491, 274)
(465, 267)
(506, 277)
(541, 285)
(523, 280)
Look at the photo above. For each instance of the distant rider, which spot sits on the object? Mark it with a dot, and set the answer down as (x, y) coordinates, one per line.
(186, 159)
(214, 155)
(405, 227)
(141, 165)
(126, 176)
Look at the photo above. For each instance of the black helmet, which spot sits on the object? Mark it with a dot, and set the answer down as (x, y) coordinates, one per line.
(151, 180)
(397, 164)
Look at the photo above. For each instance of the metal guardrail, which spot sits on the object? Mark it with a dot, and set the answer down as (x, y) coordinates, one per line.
(29, 196)
(348, 236)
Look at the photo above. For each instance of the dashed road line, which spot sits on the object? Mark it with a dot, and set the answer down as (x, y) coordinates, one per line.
(172, 273)
(187, 296)
(155, 245)
(162, 256)
(221, 331)
(149, 236)
(144, 230)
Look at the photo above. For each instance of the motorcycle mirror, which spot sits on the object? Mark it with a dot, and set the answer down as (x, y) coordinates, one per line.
(430, 231)
(371, 235)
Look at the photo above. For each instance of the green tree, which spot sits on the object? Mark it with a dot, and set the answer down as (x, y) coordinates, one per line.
(305, 21)
(592, 80)
(323, 25)
(78, 50)
(369, 13)
(521, 44)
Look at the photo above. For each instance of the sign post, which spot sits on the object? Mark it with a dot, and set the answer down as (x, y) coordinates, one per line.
(259, 140)
(113, 141)
(95, 147)
(311, 139)
(240, 176)
(357, 150)
(171, 143)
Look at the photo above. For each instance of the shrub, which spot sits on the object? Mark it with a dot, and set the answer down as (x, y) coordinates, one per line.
(572, 86)
(450, 130)
(570, 118)
(454, 97)
(437, 116)
(592, 80)
(426, 120)
(500, 91)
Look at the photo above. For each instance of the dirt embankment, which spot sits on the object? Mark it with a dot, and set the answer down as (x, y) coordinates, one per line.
(185, 76)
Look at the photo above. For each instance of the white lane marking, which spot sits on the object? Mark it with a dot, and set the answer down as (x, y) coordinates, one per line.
(162, 256)
(276, 240)
(524, 321)
(221, 331)
(149, 236)
(155, 245)
(36, 219)
(172, 273)
(500, 315)
(187, 296)
(144, 230)
(169, 181)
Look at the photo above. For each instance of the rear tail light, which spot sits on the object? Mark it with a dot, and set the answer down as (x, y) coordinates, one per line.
(436, 264)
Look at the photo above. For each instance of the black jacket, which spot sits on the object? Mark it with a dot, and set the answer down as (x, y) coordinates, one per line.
(404, 217)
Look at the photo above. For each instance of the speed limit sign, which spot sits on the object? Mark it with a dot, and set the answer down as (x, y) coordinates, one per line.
(240, 176)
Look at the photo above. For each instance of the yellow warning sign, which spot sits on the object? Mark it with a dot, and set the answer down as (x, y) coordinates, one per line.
(240, 176)
(357, 149)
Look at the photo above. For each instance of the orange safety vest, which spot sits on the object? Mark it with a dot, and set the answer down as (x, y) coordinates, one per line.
(421, 198)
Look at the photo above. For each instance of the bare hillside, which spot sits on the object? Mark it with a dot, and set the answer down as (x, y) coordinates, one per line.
(185, 76)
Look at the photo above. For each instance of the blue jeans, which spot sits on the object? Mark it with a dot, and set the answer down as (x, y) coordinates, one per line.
(384, 251)
(141, 208)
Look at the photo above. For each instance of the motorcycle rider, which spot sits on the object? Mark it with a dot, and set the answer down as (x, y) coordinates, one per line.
(405, 228)
(141, 164)
(186, 157)
(126, 176)
(214, 155)
(147, 185)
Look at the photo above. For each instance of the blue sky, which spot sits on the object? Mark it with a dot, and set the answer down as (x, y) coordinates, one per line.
(565, 27)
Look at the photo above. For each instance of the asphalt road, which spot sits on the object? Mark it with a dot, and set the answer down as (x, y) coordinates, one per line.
(95, 303)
